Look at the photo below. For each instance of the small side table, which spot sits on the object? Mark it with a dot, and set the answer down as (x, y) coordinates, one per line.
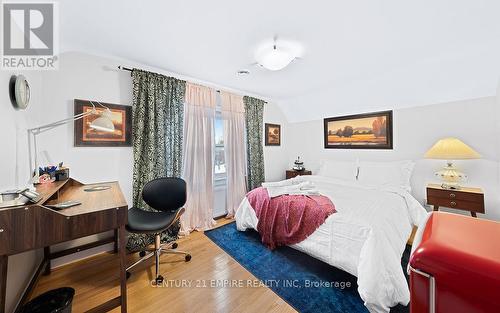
(294, 173)
(466, 198)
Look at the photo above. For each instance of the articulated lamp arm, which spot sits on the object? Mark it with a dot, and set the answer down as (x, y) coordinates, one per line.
(33, 132)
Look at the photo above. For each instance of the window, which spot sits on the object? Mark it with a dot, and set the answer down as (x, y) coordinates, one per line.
(219, 161)
(220, 186)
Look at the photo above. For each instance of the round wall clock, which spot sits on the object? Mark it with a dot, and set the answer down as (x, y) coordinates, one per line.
(19, 91)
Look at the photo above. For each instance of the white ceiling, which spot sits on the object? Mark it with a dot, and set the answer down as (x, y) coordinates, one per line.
(358, 54)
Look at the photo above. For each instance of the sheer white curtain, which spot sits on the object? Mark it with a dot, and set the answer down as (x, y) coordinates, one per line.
(198, 158)
(233, 114)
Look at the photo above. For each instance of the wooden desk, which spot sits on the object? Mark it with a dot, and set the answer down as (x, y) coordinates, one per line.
(35, 226)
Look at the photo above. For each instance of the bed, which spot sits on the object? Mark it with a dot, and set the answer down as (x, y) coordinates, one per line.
(366, 237)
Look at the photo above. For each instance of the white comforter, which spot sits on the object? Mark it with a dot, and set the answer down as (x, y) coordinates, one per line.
(366, 237)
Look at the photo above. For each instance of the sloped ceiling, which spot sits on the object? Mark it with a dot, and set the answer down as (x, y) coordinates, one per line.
(358, 54)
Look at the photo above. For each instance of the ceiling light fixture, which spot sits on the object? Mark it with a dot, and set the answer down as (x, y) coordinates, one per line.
(275, 58)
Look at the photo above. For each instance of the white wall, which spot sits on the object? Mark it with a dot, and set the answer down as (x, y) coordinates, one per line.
(14, 171)
(416, 129)
(275, 157)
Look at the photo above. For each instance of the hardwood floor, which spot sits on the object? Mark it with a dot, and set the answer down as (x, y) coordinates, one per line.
(96, 279)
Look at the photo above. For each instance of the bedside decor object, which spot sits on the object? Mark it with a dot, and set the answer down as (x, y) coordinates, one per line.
(273, 134)
(361, 131)
(299, 165)
(294, 173)
(112, 115)
(451, 149)
(467, 199)
(102, 123)
(19, 92)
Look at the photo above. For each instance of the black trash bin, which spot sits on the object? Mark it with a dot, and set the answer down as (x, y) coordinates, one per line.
(53, 301)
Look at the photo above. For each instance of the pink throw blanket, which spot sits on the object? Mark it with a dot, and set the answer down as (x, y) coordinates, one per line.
(288, 219)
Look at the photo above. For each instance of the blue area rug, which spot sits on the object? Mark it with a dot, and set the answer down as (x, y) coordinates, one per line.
(297, 278)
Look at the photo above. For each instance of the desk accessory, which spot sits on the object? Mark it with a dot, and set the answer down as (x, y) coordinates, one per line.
(10, 198)
(49, 170)
(63, 205)
(45, 179)
(31, 195)
(96, 188)
(62, 174)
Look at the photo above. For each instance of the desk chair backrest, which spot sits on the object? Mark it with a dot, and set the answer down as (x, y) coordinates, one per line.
(165, 194)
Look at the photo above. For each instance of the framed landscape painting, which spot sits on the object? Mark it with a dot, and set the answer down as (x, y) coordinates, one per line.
(273, 134)
(361, 131)
(89, 137)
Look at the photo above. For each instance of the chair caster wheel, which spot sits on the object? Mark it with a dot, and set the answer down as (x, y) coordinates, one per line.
(188, 257)
(142, 254)
(128, 275)
(159, 280)
(174, 245)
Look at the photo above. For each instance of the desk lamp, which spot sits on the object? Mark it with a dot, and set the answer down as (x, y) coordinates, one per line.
(101, 123)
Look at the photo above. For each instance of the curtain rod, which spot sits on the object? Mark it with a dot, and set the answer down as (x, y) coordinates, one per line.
(123, 68)
(128, 69)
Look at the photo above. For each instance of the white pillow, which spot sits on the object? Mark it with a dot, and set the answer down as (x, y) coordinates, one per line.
(386, 174)
(338, 169)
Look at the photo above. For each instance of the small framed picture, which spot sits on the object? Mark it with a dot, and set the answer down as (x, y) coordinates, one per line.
(88, 137)
(361, 131)
(273, 134)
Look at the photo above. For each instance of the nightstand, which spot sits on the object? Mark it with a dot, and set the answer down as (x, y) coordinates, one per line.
(465, 198)
(293, 173)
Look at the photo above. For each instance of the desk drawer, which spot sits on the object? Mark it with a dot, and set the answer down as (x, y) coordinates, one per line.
(454, 195)
(457, 204)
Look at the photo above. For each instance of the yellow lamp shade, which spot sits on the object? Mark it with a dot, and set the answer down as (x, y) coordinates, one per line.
(451, 149)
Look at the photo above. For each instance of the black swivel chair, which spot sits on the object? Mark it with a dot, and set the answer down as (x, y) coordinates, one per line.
(167, 195)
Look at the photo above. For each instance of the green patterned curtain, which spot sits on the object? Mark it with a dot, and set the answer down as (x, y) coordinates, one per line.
(157, 131)
(254, 115)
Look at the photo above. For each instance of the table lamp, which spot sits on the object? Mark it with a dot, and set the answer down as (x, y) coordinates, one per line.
(451, 149)
(102, 123)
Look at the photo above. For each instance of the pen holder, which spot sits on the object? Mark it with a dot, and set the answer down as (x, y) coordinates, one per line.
(62, 174)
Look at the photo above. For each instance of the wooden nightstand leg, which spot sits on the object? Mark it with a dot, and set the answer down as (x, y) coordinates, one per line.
(473, 214)
(436, 208)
